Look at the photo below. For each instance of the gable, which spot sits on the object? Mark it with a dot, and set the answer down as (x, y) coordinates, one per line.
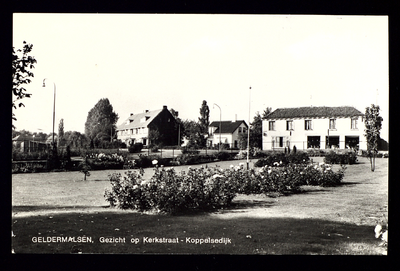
(227, 127)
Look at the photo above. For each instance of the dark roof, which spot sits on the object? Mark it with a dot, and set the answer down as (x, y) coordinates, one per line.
(139, 120)
(314, 112)
(227, 127)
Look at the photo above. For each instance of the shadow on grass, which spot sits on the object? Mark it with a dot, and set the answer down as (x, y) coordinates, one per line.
(33, 208)
(243, 235)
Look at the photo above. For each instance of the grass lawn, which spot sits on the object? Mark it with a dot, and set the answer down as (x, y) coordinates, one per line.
(336, 220)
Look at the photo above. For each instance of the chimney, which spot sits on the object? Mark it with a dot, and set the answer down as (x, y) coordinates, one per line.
(235, 117)
(165, 107)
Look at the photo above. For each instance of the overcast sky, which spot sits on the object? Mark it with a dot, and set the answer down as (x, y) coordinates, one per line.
(145, 61)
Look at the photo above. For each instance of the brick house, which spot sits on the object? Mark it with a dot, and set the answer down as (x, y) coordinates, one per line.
(137, 127)
(314, 127)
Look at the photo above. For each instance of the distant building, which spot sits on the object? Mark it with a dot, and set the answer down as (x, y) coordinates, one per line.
(314, 127)
(26, 143)
(137, 127)
(230, 132)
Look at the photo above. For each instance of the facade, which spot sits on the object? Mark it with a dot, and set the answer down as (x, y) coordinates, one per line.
(137, 127)
(230, 132)
(314, 127)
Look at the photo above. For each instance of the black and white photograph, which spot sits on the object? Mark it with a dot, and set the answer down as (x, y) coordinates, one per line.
(200, 134)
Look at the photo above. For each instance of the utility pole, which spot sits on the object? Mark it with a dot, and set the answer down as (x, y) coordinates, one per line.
(248, 133)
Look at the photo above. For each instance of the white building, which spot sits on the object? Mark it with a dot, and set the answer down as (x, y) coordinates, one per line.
(229, 133)
(314, 127)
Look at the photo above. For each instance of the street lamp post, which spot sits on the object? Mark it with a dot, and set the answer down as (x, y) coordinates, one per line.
(54, 107)
(220, 126)
(248, 133)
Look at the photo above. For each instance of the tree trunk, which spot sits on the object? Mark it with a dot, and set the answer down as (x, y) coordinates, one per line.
(372, 161)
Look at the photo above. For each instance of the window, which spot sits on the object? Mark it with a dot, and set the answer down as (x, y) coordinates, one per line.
(354, 124)
(332, 124)
(240, 129)
(271, 125)
(313, 142)
(280, 140)
(289, 125)
(307, 125)
(244, 130)
(277, 142)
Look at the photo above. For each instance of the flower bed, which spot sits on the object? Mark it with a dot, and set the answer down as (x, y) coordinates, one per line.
(212, 187)
(101, 161)
(283, 159)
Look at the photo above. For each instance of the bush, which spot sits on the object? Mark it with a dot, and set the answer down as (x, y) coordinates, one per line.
(147, 161)
(18, 155)
(154, 148)
(224, 156)
(208, 188)
(137, 147)
(340, 158)
(101, 161)
(189, 159)
(282, 159)
(170, 192)
(189, 151)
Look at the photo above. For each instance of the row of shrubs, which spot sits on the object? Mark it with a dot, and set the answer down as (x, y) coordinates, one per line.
(211, 187)
(340, 158)
(283, 159)
(378, 155)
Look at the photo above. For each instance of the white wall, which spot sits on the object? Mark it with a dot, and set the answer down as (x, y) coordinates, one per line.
(227, 138)
(298, 136)
(126, 135)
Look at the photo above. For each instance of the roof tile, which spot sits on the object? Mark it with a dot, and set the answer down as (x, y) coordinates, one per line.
(314, 112)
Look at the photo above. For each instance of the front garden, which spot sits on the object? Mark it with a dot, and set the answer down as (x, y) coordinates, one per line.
(212, 187)
(320, 220)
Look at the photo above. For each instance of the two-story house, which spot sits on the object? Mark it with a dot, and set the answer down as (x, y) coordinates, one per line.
(228, 134)
(137, 127)
(314, 127)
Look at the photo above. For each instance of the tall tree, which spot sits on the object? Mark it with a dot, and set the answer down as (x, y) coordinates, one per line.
(60, 138)
(266, 112)
(255, 133)
(22, 64)
(204, 117)
(373, 125)
(192, 130)
(100, 122)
